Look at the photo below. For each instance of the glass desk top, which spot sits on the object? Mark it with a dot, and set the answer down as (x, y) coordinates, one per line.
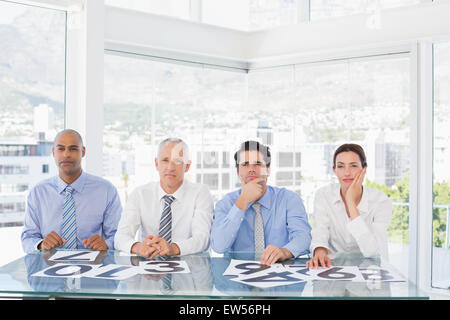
(204, 281)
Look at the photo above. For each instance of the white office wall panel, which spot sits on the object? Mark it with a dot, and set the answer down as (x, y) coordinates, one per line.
(385, 31)
(84, 79)
(173, 38)
(421, 184)
(349, 36)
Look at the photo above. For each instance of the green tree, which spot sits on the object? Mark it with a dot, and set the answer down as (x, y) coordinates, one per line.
(399, 194)
(441, 197)
(398, 230)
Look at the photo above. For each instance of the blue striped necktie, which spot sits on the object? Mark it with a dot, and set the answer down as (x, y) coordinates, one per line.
(165, 224)
(69, 225)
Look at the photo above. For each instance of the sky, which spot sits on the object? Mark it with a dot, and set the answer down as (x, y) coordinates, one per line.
(9, 11)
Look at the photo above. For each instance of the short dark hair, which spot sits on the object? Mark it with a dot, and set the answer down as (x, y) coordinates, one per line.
(356, 148)
(253, 145)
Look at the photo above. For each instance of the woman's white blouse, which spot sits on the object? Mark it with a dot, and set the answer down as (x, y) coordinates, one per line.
(334, 230)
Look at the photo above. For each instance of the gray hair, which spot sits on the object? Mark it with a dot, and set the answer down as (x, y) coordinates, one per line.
(180, 143)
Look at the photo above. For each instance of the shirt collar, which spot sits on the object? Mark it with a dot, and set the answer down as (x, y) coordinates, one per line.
(266, 199)
(336, 193)
(77, 185)
(177, 194)
(336, 197)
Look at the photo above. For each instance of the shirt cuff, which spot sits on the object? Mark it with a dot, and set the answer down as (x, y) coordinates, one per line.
(292, 249)
(295, 249)
(235, 214)
(185, 247)
(330, 253)
(128, 245)
(110, 243)
(357, 227)
(36, 246)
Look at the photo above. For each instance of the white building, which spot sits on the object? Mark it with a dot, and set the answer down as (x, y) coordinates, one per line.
(22, 165)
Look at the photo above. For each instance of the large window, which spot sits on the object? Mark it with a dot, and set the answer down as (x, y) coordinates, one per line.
(313, 108)
(303, 112)
(441, 172)
(147, 101)
(32, 73)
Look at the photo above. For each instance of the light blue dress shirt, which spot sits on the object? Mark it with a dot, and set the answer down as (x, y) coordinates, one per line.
(97, 209)
(284, 217)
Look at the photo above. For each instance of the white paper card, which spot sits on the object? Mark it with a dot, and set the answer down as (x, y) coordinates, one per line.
(301, 272)
(247, 267)
(163, 267)
(112, 272)
(269, 278)
(345, 273)
(64, 270)
(378, 274)
(71, 255)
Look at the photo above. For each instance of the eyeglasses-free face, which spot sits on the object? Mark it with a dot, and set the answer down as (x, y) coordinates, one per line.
(68, 152)
(347, 167)
(171, 167)
(252, 166)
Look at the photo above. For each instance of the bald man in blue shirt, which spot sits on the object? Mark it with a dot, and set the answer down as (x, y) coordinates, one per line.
(92, 202)
(259, 217)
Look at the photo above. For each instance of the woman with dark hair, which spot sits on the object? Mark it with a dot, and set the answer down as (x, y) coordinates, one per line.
(347, 216)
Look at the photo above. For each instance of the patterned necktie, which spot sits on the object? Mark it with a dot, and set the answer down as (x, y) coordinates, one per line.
(165, 224)
(259, 228)
(167, 284)
(69, 225)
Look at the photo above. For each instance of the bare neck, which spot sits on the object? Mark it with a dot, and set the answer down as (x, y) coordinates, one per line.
(69, 179)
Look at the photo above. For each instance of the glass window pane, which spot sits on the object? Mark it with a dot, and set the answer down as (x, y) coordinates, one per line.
(173, 8)
(318, 107)
(323, 9)
(147, 101)
(32, 86)
(323, 105)
(265, 14)
(441, 173)
(347, 101)
(249, 15)
(285, 159)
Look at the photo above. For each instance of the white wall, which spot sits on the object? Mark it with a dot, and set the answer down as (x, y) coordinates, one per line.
(10, 245)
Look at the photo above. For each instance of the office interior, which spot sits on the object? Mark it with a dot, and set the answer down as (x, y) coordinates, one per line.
(302, 76)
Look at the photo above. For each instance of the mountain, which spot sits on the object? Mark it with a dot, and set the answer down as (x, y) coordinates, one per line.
(32, 61)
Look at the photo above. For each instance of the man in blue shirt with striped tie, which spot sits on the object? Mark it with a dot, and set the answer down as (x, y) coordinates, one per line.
(73, 210)
(258, 217)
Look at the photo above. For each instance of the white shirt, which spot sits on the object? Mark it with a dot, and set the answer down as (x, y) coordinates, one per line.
(192, 213)
(334, 230)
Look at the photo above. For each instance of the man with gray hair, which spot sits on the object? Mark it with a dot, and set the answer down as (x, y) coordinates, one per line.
(173, 215)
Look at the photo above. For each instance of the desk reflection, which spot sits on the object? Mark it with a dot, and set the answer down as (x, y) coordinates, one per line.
(349, 288)
(226, 286)
(197, 282)
(35, 262)
(205, 280)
